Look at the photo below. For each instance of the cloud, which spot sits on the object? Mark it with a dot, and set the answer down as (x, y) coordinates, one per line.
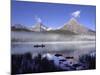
(38, 19)
(76, 13)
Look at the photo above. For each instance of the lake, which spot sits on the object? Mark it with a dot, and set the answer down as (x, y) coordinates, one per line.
(68, 45)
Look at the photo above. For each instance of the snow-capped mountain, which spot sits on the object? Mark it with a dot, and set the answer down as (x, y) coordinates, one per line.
(40, 27)
(19, 27)
(74, 26)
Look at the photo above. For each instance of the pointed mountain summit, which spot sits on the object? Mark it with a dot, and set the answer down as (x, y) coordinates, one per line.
(73, 21)
(74, 26)
(39, 26)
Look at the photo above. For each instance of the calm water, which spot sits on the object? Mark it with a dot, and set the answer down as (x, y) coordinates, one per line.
(66, 48)
(65, 45)
(56, 43)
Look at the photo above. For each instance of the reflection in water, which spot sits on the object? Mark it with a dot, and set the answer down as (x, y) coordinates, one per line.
(35, 57)
(23, 42)
(74, 48)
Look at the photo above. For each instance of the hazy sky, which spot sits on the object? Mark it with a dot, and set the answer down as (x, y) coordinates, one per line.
(51, 14)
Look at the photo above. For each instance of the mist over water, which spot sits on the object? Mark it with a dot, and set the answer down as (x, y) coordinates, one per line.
(62, 48)
(18, 36)
(34, 52)
(69, 45)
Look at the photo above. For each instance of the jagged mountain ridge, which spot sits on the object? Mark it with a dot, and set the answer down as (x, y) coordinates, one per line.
(74, 26)
(40, 27)
(19, 27)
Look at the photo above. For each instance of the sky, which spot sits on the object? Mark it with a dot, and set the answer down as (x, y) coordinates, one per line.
(52, 15)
